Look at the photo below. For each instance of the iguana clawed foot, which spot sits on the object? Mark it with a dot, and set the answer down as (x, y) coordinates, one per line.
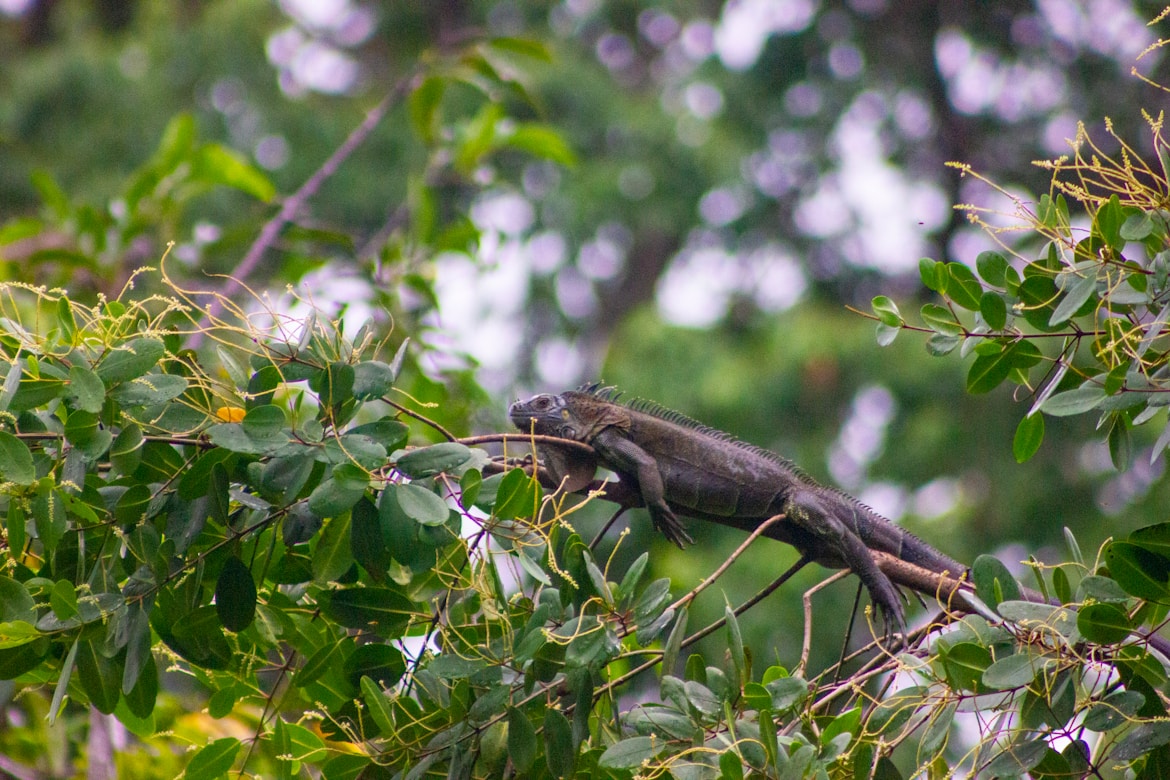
(668, 524)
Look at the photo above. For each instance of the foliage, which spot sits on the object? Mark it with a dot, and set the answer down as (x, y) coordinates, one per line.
(1081, 328)
(361, 606)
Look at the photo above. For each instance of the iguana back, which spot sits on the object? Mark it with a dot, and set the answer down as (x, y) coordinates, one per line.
(711, 475)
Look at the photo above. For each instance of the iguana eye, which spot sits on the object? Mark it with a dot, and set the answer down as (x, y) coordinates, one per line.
(541, 403)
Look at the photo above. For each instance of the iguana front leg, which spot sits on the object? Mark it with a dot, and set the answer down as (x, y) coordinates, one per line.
(809, 510)
(622, 455)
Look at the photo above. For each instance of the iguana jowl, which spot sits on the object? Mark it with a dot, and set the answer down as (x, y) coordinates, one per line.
(679, 466)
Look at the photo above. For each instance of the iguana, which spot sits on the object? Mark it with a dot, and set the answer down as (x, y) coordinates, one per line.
(681, 467)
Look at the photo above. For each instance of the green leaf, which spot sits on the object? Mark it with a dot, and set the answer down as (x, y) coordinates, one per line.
(1016, 759)
(887, 312)
(652, 602)
(422, 505)
(560, 751)
(542, 141)
(334, 552)
(1137, 226)
(786, 692)
(217, 164)
(424, 107)
(436, 459)
(389, 433)
(518, 495)
(735, 646)
(628, 754)
(126, 450)
(379, 706)
(469, 486)
(1029, 435)
(673, 644)
(933, 274)
(386, 608)
(347, 766)
(20, 228)
(264, 423)
(987, 372)
(1077, 401)
(526, 47)
(1109, 219)
(235, 595)
(63, 599)
(197, 636)
(367, 545)
(197, 478)
(380, 662)
(962, 287)
(994, 310)
(1104, 623)
(149, 389)
(995, 361)
(214, 759)
(1114, 710)
(992, 266)
(16, 603)
(87, 389)
(1144, 738)
(139, 660)
(142, 697)
(1076, 294)
(131, 360)
(521, 740)
(1120, 443)
(730, 766)
(372, 379)
(1137, 570)
(16, 633)
(49, 517)
(16, 463)
(339, 492)
(1038, 295)
(938, 344)
(964, 664)
(1013, 671)
(334, 385)
(941, 320)
(303, 744)
(99, 677)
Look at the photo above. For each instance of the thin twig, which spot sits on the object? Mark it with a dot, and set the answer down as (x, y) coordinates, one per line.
(523, 438)
(234, 281)
(744, 607)
(848, 631)
(423, 419)
(605, 528)
(806, 643)
(706, 583)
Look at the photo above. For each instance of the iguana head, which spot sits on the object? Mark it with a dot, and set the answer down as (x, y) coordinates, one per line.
(569, 415)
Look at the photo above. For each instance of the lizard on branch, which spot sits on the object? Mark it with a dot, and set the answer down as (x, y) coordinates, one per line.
(677, 466)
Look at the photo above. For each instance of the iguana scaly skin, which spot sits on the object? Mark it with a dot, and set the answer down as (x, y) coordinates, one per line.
(681, 467)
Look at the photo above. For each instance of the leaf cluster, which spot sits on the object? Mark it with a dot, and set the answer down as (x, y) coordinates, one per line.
(1075, 313)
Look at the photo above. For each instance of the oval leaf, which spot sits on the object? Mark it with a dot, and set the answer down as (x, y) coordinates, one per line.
(1082, 399)
(628, 754)
(428, 461)
(422, 505)
(1104, 623)
(235, 595)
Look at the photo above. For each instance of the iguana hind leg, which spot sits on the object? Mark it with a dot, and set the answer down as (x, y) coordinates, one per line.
(837, 542)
